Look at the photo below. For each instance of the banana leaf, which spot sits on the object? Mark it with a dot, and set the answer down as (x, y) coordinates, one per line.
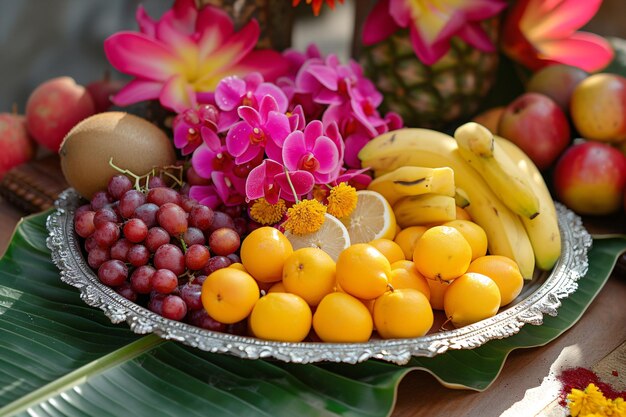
(59, 357)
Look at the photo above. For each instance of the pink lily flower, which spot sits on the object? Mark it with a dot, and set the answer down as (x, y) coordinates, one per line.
(432, 23)
(262, 130)
(542, 32)
(314, 152)
(269, 180)
(187, 51)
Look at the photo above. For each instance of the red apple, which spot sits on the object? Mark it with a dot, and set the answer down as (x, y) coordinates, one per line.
(590, 178)
(536, 124)
(557, 81)
(54, 107)
(16, 147)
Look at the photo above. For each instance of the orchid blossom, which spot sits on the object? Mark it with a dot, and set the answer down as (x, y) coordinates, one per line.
(432, 23)
(192, 127)
(537, 33)
(271, 181)
(187, 51)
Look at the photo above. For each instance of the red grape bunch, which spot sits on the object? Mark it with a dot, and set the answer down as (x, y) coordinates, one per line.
(156, 246)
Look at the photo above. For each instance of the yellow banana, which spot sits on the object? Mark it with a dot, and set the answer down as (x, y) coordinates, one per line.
(423, 209)
(478, 147)
(461, 198)
(543, 230)
(408, 180)
(424, 147)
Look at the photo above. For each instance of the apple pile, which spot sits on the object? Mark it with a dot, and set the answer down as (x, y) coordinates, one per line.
(52, 109)
(572, 124)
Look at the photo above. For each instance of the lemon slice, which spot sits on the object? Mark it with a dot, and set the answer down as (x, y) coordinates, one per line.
(332, 237)
(372, 218)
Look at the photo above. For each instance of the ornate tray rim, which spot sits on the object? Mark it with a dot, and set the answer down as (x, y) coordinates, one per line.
(560, 283)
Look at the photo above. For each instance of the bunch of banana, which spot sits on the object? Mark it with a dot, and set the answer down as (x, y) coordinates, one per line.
(412, 181)
(424, 209)
(506, 233)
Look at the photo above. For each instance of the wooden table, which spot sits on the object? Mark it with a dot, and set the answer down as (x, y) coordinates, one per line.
(599, 333)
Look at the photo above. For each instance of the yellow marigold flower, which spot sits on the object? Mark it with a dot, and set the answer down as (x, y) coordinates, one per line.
(582, 403)
(265, 213)
(615, 408)
(342, 200)
(305, 217)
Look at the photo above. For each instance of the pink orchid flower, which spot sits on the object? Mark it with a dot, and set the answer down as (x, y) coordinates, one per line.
(271, 181)
(354, 177)
(314, 152)
(194, 126)
(262, 130)
(432, 23)
(185, 52)
(537, 33)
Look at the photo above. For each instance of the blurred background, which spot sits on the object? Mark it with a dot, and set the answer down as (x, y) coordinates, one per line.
(40, 40)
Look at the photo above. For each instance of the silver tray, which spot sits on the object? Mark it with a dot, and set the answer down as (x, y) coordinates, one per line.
(540, 296)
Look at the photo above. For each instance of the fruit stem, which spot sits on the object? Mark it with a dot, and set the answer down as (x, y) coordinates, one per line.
(127, 172)
(293, 189)
(443, 325)
(390, 287)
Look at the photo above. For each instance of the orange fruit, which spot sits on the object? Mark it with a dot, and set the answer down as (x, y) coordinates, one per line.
(229, 295)
(263, 253)
(504, 272)
(342, 318)
(462, 214)
(402, 313)
(473, 233)
(404, 274)
(470, 298)
(438, 290)
(407, 238)
(277, 287)
(392, 251)
(281, 316)
(442, 253)
(363, 271)
(309, 273)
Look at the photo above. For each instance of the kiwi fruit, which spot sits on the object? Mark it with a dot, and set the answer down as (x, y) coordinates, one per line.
(132, 142)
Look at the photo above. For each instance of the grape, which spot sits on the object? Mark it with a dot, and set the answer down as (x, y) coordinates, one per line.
(83, 223)
(174, 308)
(135, 230)
(241, 226)
(199, 280)
(234, 258)
(126, 291)
(100, 199)
(196, 257)
(156, 302)
(141, 279)
(188, 204)
(113, 273)
(170, 257)
(130, 201)
(221, 219)
(200, 318)
(157, 236)
(215, 263)
(224, 241)
(147, 213)
(97, 256)
(118, 185)
(233, 211)
(119, 250)
(138, 255)
(106, 234)
(191, 294)
(164, 281)
(156, 182)
(90, 243)
(193, 236)
(82, 209)
(194, 179)
(103, 215)
(163, 195)
(201, 216)
(172, 218)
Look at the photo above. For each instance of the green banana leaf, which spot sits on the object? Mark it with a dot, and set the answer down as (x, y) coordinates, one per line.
(59, 357)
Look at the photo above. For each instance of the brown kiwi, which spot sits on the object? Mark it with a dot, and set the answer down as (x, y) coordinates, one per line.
(134, 144)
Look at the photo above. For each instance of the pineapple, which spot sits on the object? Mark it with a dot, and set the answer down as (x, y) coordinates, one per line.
(430, 96)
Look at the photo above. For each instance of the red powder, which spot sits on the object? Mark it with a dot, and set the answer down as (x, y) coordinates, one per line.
(614, 373)
(579, 378)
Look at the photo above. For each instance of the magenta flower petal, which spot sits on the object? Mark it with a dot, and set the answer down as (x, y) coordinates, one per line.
(268, 104)
(584, 50)
(293, 149)
(214, 27)
(229, 92)
(379, 24)
(238, 139)
(250, 116)
(269, 63)
(302, 182)
(312, 131)
(205, 194)
(476, 36)
(137, 54)
(202, 161)
(145, 22)
(137, 90)
(210, 138)
(557, 18)
(327, 155)
(269, 89)
(354, 143)
(278, 127)
(177, 95)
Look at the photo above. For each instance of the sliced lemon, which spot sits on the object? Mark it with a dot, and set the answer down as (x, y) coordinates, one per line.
(332, 237)
(372, 218)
